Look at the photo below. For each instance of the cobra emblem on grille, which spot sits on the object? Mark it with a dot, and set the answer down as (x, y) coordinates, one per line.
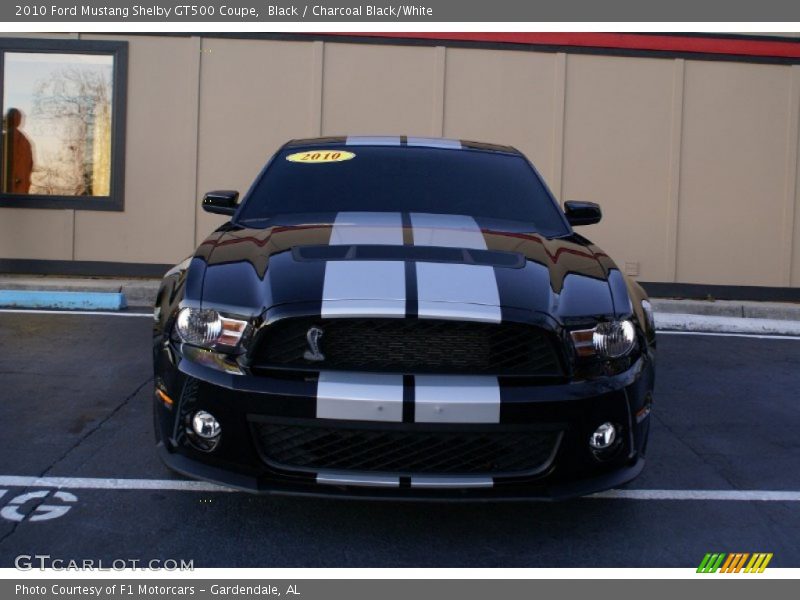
(313, 336)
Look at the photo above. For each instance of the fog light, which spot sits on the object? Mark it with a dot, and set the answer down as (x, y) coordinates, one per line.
(205, 425)
(603, 437)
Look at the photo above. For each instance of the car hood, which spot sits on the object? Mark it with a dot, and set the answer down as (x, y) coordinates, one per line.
(393, 265)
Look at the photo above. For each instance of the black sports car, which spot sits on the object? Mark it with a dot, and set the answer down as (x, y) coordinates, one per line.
(400, 317)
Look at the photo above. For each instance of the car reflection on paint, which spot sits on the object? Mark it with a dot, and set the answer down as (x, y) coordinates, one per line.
(399, 317)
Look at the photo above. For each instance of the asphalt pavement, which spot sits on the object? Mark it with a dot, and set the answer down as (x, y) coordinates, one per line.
(75, 402)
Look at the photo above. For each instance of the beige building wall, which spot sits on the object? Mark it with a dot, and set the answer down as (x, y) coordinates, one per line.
(505, 97)
(733, 173)
(617, 137)
(695, 163)
(160, 157)
(253, 96)
(388, 90)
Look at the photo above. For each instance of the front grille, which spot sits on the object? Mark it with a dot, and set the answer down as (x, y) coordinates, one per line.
(410, 346)
(403, 451)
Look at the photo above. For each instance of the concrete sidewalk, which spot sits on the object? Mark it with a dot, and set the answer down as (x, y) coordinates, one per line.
(671, 314)
(138, 292)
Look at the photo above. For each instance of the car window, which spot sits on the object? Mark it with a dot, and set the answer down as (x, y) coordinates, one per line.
(391, 179)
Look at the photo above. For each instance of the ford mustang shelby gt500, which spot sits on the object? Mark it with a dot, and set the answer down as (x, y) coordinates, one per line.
(402, 317)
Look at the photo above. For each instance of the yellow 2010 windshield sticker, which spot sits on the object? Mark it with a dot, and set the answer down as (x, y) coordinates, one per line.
(320, 156)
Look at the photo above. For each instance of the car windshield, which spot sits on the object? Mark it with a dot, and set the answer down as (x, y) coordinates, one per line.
(479, 184)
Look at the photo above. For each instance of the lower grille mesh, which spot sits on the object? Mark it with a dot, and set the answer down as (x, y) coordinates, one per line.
(311, 448)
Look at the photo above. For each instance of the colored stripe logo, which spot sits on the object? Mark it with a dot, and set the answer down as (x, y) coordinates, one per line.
(737, 562)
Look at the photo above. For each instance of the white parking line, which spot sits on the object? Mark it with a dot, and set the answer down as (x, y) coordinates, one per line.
(740, 495)
(722, 334)
(96, 483)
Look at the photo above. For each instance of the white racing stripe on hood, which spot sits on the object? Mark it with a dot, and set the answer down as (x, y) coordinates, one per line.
(378, 288)
(364, 288)
(354, 288)
(452, 291)
(360, 396)
(385, 228)
(451, 231)
(456, 399)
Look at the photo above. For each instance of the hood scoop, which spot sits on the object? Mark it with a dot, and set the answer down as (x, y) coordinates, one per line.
(435, 254)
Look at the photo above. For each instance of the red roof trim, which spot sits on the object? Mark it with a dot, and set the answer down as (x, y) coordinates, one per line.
(626, 41)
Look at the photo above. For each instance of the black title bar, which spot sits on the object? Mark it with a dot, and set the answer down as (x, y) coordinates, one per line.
(395, 11)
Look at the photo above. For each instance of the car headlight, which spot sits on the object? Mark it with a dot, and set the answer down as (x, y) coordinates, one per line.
(614, 339)
(610, 339)
(207, 328)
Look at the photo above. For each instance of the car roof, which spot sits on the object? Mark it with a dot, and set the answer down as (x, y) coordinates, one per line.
(398, 141)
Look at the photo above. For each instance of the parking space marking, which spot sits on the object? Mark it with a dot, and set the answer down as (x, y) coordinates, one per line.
(735, 495)
(760, 336)
(41, 512)
(99, 483)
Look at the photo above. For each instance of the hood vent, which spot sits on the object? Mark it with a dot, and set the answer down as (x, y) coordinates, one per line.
(469, 256)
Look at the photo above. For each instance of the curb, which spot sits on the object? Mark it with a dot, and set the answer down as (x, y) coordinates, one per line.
(784, 311)
(137, 292)
(715, 324)
(64, 300)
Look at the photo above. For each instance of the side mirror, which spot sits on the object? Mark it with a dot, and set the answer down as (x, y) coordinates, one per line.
(221, 202)
(582, 213)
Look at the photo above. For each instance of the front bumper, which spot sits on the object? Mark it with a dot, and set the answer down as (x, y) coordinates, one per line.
(570, 411)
